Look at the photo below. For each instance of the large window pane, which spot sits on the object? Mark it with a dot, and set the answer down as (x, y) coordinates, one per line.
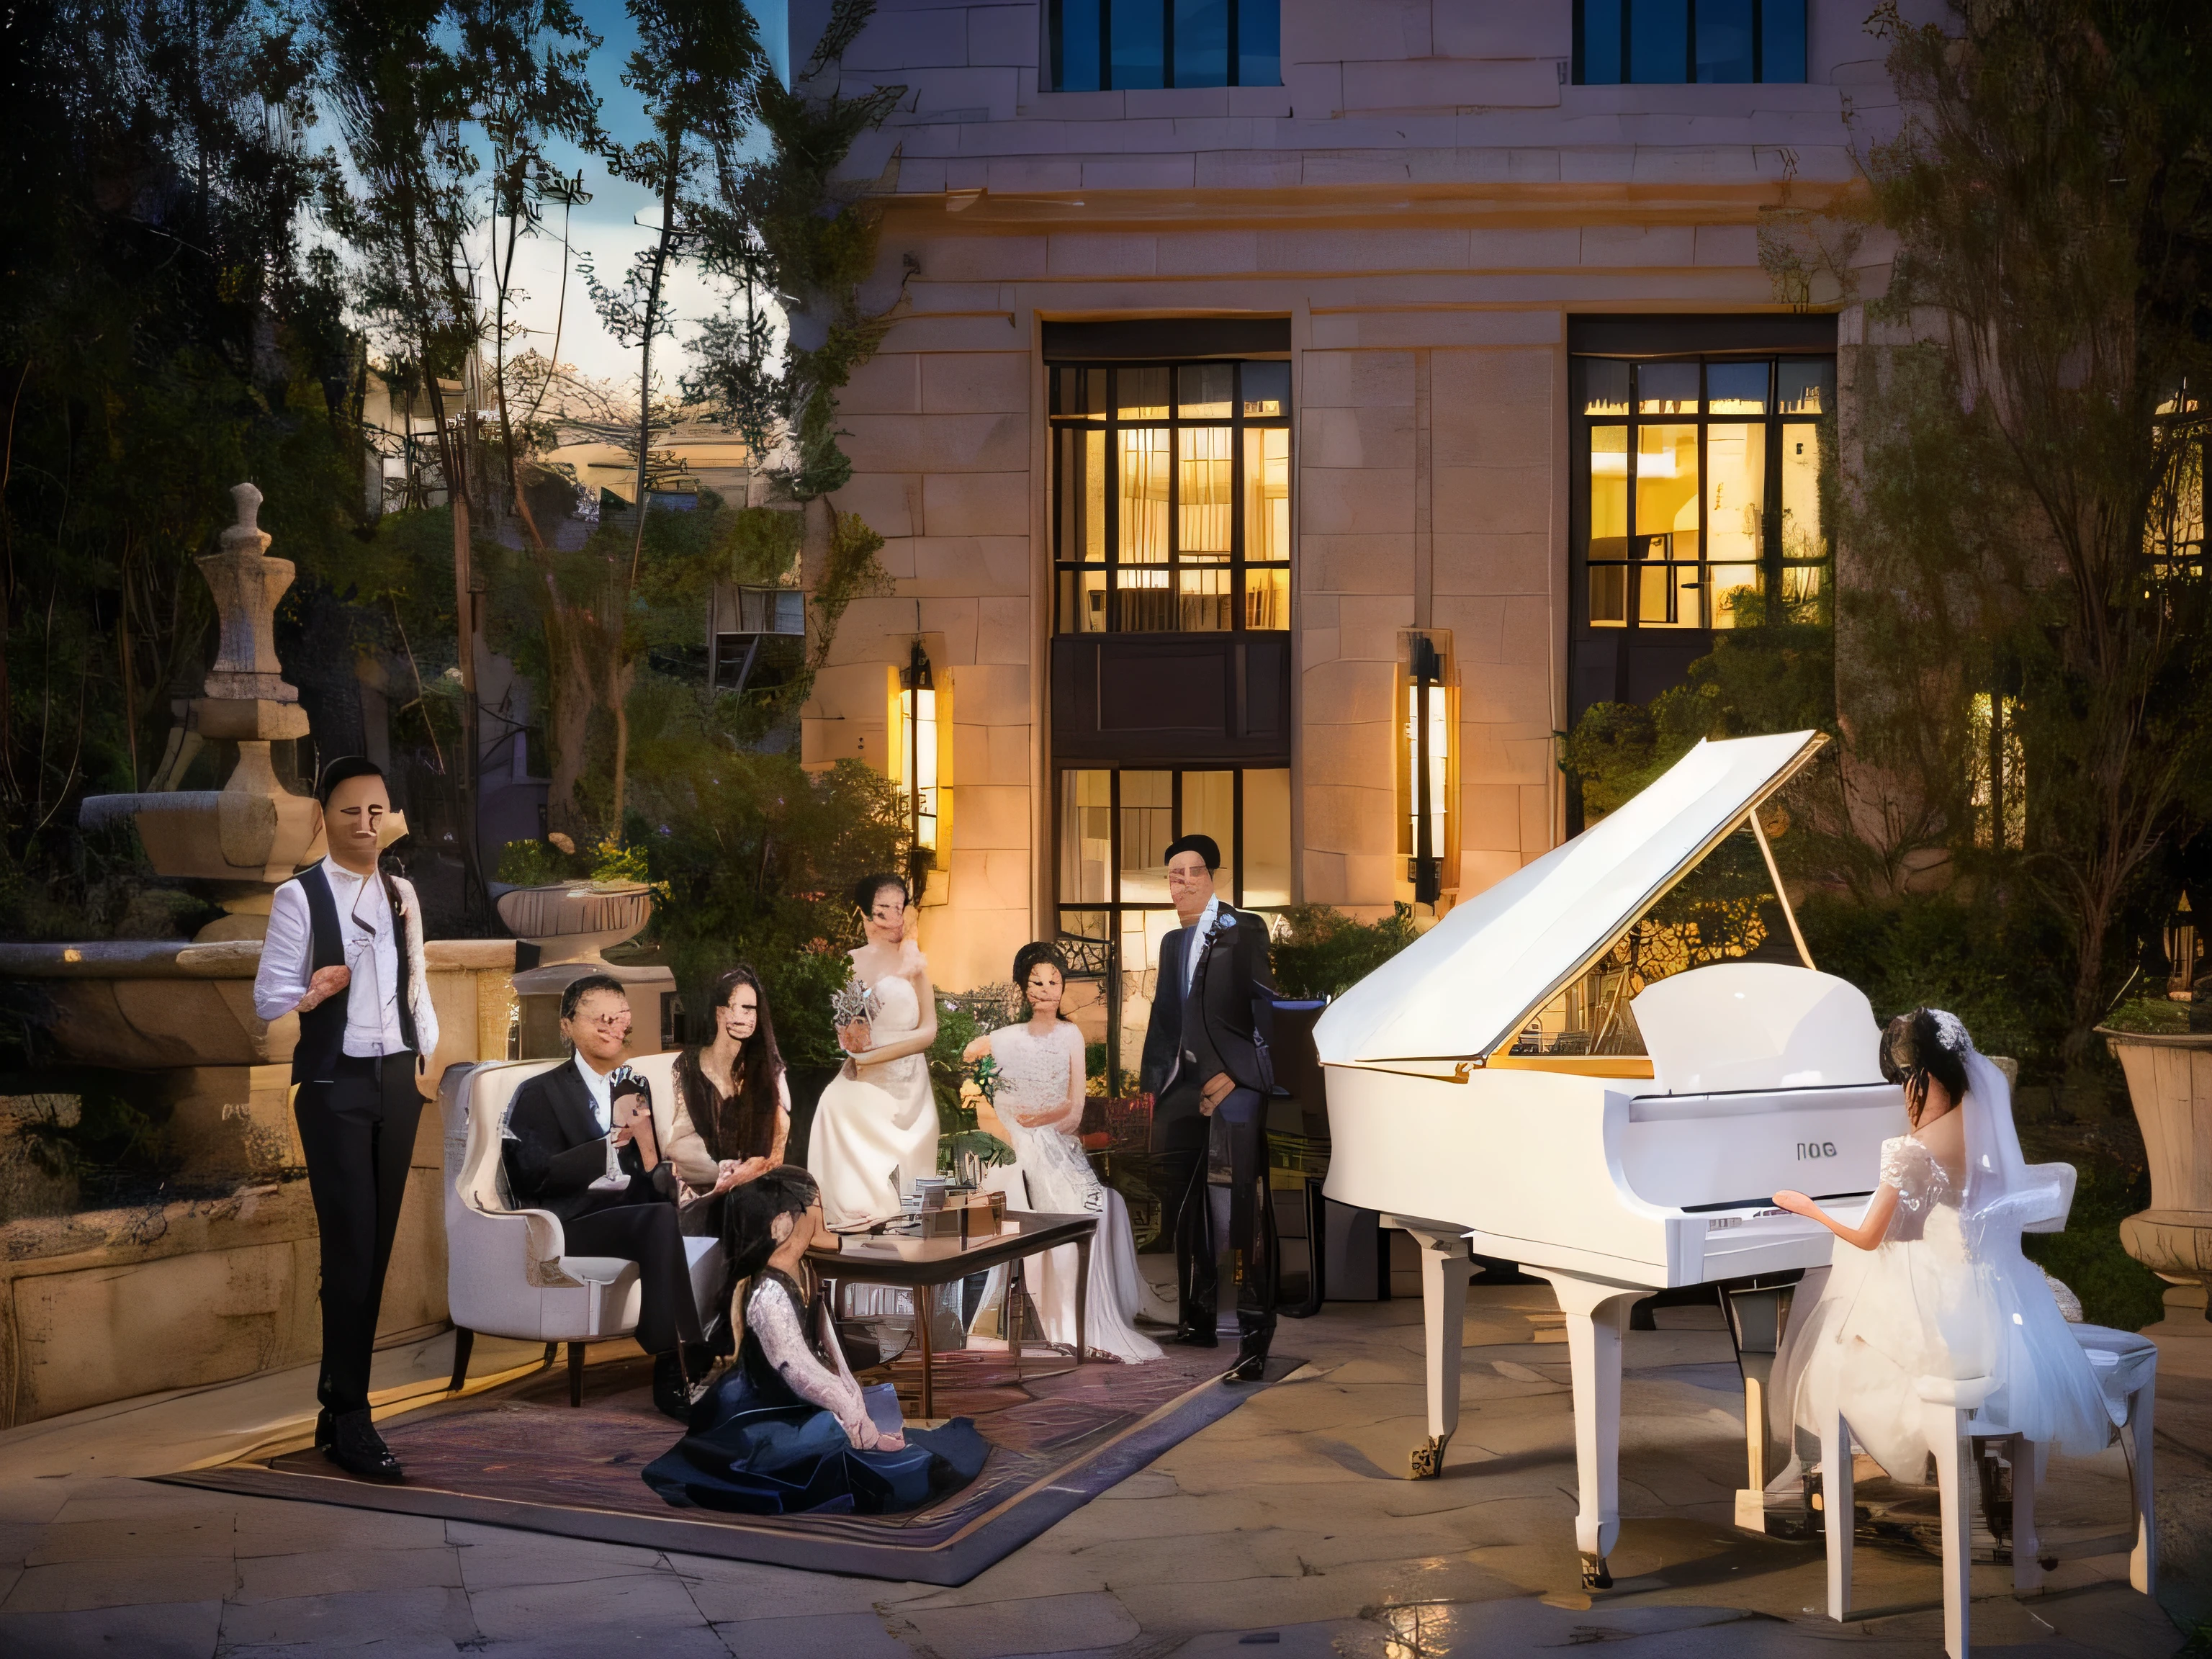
(1144, 503)
(1725, 42)
(1608, 595)
(1608, 488)
(1781, 40)
(1202, 515)
(1666, 389)
(1137, 46)
(1268, 493)
(1599, 39)
(1605, 386)
(1074, 46)
(1147, 598)
(1207, 604)
(1147, 826)
(1665, 491)
(1267, 596)
(1658, 41)
(1802, 539)
(1258, 43)
(1735, 512)
(1083, 494)
(1087, 830)
(1266, 850)
(1806, 387)
(1206, 391)
(1267, 390)
(1736, 388)
(1141, 394)
(1201, 43)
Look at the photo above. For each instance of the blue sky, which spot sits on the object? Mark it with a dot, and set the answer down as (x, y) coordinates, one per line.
(618, 221)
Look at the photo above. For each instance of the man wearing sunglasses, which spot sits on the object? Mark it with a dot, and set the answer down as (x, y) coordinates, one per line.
(344, 953)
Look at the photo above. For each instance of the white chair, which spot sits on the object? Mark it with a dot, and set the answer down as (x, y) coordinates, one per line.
(2126, 1366)
(507, 1272)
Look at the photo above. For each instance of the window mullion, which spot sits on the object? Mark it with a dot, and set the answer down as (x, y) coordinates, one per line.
(1631, 579)
(1112, 484)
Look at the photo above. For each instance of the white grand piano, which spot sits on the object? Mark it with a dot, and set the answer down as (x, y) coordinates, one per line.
(1496, 1088)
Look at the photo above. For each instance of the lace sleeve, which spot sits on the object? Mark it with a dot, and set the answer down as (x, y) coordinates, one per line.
(1896, 1162)
(773, 1319)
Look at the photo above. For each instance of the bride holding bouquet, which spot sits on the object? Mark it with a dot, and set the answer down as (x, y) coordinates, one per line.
(875, 1128)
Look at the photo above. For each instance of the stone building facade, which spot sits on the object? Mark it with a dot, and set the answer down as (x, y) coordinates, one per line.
(1375, 318)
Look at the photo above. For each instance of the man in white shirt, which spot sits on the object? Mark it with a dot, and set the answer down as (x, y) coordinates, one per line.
(579, 1143)
(344, 953)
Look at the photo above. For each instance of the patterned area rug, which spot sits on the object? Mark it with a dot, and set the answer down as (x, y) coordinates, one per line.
(520, 1456)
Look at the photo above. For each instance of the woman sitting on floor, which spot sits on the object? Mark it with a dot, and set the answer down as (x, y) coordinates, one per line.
(787, 1428)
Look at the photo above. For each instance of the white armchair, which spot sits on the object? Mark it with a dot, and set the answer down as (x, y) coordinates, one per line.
(507, 1272)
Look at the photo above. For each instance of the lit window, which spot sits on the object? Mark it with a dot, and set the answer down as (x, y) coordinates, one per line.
(1114, 907)
(1700, 492)
(1099, 45)
(1676, 42)
(1424, 768)
(1996, 772)
(1171, 494)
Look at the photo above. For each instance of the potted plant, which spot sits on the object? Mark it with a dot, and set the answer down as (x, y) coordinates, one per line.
(2165, 1047)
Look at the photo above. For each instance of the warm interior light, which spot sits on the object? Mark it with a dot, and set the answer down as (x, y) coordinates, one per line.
(1425, 740)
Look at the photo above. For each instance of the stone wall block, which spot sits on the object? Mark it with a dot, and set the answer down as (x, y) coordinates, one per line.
(1502, 562)
(1339, 563)
(975, 504)
(1002, 34)
(1448, 83)
(975, 383)
(1363, 500)
(1353, 380)
(888, 383)
(1376, 435)
(890, 503)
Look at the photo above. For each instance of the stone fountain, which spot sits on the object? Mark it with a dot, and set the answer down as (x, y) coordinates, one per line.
(96, 1304)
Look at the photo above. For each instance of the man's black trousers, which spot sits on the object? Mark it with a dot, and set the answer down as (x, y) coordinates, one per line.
(357, 1131)
(639, 1225)
(1180, 1134)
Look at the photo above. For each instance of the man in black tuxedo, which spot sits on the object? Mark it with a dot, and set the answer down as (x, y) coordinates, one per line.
(579, 1143)
(1207, 1065)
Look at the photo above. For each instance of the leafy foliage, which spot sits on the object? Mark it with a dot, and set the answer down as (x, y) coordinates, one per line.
(786, 229)
(1321, 953)
(166, 332)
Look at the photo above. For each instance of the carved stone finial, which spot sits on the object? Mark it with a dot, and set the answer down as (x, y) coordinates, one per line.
(247, 532)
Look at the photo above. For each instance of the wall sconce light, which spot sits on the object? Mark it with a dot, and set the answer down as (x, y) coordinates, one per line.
(916, 758)
(1424, 742)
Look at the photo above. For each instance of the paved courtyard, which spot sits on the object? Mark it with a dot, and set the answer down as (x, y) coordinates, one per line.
(1284, 1529)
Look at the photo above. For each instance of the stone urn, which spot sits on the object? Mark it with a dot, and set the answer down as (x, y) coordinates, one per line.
(564, 927)
(2170, 1085)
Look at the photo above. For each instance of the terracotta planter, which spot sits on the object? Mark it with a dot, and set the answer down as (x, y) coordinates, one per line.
(2170, 1085)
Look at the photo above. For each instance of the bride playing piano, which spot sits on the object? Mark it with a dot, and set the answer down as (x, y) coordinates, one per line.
(1934, 1284)
(1039, 1104)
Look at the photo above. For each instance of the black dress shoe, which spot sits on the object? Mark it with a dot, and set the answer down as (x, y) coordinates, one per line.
(355, 1447)
(1195, 1336)
(1250, 1367)
(672, 1389)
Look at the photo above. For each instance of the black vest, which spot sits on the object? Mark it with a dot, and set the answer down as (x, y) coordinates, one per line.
(322, 1028)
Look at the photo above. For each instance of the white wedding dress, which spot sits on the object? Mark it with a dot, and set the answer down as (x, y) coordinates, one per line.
(1947, 1294)
(875, 1128)
(1050, 1167)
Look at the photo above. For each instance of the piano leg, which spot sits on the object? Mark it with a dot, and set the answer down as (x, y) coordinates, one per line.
(1596, 1313)
(1445, 1267)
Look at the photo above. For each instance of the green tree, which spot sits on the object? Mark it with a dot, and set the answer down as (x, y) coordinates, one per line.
(414, 84)
(165, 332)
(2031, 449)
(693, 61)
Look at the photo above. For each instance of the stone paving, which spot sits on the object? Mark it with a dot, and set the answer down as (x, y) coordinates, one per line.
(1284, 1529)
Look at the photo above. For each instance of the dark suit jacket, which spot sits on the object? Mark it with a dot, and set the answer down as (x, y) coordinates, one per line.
(555, 1150)
(1229, 1017)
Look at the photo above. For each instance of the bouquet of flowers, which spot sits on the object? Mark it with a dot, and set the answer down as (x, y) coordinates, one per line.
(856, 1005)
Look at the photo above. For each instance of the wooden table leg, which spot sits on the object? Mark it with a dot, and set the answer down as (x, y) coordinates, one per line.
(923, 1295)
(1082, 1294)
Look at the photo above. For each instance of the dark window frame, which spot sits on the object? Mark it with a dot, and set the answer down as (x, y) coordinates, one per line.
(1054, 47)
(1067, 572)
(1627, 77)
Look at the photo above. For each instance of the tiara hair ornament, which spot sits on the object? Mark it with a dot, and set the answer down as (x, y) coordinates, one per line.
(1951, 1032)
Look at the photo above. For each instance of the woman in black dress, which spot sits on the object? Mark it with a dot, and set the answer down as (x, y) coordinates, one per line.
(787, 1428)
(732, 1097)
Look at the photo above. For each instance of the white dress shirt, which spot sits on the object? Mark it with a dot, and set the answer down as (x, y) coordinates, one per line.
(601, 1087)
(370, 935)
(1195, 939)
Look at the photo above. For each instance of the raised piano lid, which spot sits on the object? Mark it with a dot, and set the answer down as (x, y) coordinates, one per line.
(1757, 1025)
(1467, 985)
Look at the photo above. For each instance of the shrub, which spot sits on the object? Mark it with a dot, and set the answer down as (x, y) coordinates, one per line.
(1321, 953)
